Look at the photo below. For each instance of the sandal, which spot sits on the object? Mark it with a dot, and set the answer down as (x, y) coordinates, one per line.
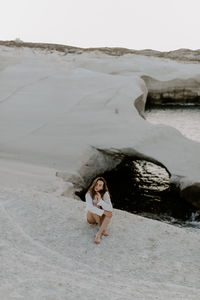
(97, 239)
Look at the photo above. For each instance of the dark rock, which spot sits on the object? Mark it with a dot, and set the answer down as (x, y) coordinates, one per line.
(191, 194)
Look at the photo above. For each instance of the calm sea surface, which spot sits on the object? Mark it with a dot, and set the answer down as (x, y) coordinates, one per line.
(184, 118)
(187, 120)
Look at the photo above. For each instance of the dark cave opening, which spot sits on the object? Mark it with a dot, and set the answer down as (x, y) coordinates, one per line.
(142, 187)
(158, 100)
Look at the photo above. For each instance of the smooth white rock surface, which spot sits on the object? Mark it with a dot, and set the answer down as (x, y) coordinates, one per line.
(54, 107)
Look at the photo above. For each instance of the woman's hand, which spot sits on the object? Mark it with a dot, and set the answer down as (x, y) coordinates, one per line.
(98, 196)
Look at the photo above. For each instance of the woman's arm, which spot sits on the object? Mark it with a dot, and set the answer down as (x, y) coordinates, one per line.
(91, 207)
(106, 203)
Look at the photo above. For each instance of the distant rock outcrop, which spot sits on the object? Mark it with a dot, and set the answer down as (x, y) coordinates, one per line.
(185, 55)
(176, 91)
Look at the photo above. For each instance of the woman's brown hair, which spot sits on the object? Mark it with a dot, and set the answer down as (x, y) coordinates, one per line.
(102, 192)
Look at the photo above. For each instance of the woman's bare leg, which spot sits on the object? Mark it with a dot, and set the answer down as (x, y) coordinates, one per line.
(93, 218)
(104, 225)
(101, 220)
(102, 229)
(97, 218)
(90, 218)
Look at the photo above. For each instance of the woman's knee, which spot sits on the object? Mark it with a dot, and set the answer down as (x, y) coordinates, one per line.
(91, 222)
(109, 215)
(90, 218)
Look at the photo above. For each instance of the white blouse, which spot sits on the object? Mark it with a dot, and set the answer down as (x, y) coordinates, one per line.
(105, 204)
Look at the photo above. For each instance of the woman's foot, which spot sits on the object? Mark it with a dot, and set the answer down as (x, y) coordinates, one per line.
(105, 233)
(97, 239)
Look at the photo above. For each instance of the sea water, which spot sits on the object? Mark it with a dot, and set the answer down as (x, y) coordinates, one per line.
(187, 120)
(184, 118)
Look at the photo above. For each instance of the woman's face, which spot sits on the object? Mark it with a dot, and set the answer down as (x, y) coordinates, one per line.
(99, 186)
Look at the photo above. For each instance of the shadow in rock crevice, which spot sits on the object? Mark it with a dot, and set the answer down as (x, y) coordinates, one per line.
(143, 187)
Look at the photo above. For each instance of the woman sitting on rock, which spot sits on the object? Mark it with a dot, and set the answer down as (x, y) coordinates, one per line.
(98, 196)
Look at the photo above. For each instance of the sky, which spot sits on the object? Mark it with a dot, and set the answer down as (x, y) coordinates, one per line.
(135, 24)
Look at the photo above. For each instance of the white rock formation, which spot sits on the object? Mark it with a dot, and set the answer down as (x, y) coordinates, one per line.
(75, 116)
(59, 111)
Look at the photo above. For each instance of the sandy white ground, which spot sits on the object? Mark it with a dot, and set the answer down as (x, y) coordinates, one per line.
(47, 252)
(55, 112)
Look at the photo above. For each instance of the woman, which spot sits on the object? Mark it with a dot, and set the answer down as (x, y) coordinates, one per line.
(98, 196)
